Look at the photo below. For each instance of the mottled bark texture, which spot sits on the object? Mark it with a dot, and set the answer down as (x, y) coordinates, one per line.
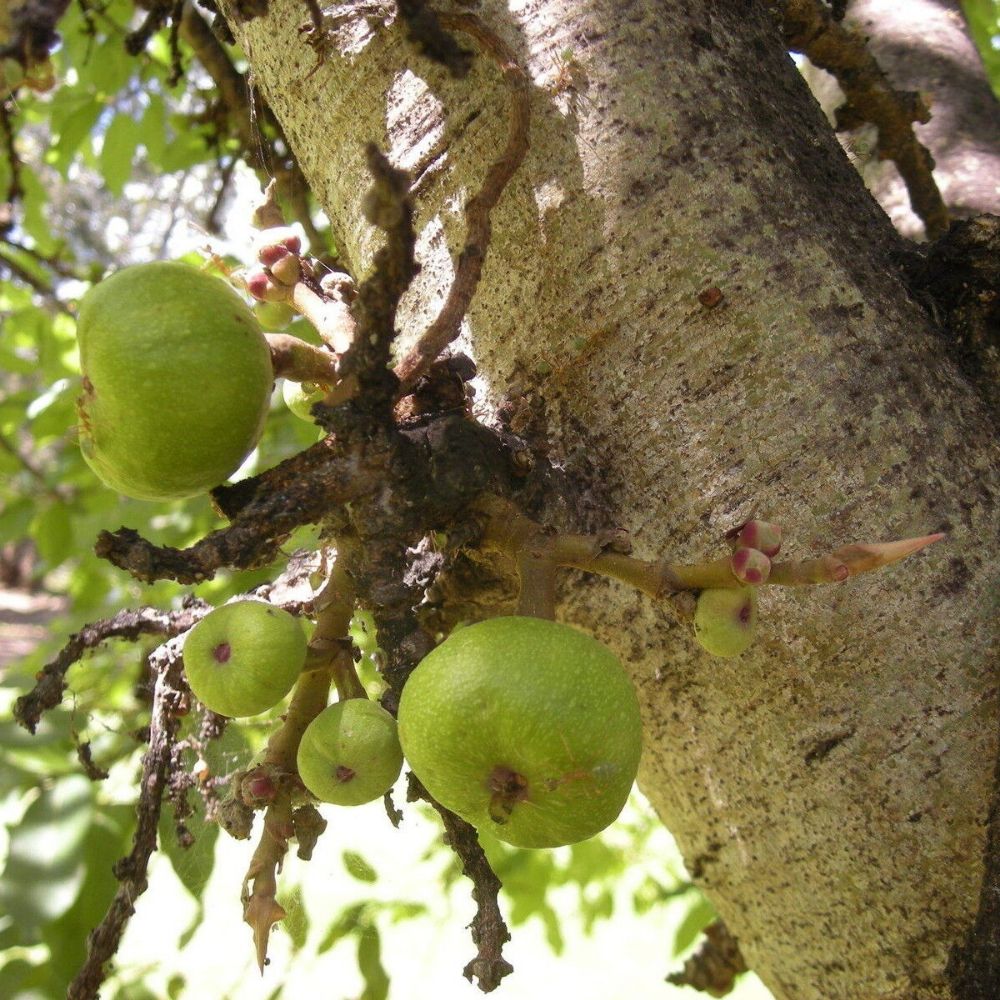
(830, 788)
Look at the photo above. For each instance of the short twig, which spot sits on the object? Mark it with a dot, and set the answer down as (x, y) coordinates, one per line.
(510, 531)
(810, 28)
(489, 931)
(446, 326)
(278, 769)
(264, 512)
(294, 358)
(61, 494)
(15, 190)
(238, 99)
(130, 871)
(714, 967)
(128, 624)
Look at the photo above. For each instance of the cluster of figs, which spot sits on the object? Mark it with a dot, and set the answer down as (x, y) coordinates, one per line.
(522, 726)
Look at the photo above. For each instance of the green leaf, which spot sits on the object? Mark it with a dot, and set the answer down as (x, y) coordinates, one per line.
(118, 152)
(45, 850)
(15, 518)
(108, 68)
(52, 530)
(78, 122)
(153, 130)
(193, 865)
(187, 147)
(109, 838)
(358, 867)
(370, 965)
(348, 921)
(296, 922)
(983, 17)
(701, 914)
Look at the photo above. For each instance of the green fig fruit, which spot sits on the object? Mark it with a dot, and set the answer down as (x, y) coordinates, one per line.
(274, 315)
(300, 396)
(176, 381)
(524, 727)
(350, 753)
(243, 658)
(724, 620)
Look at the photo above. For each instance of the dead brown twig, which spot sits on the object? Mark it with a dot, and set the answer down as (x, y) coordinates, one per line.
(129, 624)
(169, 698)
(811, 29)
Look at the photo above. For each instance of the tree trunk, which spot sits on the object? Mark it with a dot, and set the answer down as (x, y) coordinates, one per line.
(830, 788)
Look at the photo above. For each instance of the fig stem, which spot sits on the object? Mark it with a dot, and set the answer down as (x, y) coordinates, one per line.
(537, 570)
(261, 909)
(515, 534)
(331, 316)
(334, 607)
(328, 660)
(294, 359)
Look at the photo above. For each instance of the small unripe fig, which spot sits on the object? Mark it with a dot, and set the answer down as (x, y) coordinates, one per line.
(274, 316)
(350, 753)
(266, 242)
(300, 396)
(724, 620)
(243, 658)
(527, 728)
(176, 380)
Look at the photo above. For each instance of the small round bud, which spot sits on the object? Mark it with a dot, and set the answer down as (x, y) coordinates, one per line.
(270, 255)
(761, 535)
(284, 237)
(263, 288)
(258, 788)
(287, 270)
(750, 565)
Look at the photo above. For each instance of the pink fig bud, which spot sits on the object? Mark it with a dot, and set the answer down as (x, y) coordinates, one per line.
(292, 244)
(261, 286)
(287, 270)
(260, 788)
(271, 253)
(257, 284)
(750, 565)
(761, 535)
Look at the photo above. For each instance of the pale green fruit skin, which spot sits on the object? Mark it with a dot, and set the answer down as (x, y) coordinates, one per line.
(274, 315)
(538, 698)
(177, 381)
(299, 400)
(358, 735)
(725, 619)
(267, 649)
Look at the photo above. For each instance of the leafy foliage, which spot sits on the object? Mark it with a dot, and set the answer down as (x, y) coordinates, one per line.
(983, 17)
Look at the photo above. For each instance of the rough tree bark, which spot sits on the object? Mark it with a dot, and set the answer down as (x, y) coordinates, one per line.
(830, 788)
